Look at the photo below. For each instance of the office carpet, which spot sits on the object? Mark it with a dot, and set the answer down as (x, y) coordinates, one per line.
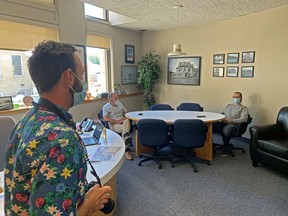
(230, 186)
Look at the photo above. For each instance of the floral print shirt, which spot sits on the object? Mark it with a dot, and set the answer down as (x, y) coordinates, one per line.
(45, 167)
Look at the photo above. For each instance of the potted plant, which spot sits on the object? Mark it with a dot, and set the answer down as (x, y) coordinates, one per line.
(148, 74)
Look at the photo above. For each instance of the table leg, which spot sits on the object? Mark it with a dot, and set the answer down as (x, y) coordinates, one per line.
(206, 151)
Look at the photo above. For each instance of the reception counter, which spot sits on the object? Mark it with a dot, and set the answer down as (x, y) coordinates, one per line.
(105, 169)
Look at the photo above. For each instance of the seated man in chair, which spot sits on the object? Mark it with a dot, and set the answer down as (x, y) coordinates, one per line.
(235, 113)
(113, 113)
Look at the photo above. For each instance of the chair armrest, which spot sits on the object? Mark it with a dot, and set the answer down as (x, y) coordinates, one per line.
(263, 132)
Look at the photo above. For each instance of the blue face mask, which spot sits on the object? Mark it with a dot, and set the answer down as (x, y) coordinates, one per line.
(236, 100)
(78, 97)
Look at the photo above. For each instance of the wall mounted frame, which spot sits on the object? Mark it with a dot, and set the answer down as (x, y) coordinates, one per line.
(184, 70)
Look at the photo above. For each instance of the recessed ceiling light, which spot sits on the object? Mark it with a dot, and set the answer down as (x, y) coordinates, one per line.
(177, 6)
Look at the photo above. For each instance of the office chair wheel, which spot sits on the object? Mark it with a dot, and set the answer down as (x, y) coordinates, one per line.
(172, 165)
(160, 167)
(208, 163)
(139, 164)
(254, 163)
(243, 151)
(195, 170)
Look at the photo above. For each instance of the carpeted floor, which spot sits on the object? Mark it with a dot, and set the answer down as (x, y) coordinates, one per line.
(230, 186)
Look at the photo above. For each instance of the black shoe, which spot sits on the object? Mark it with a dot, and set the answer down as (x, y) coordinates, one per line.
(224, 153)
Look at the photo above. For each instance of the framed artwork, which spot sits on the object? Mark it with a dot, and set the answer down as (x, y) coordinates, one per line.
(6, 103)
(218, 71)
(129, 54)
(247, 71)
(218, 58)
(184, 70)
(232, 58)
(129, 74)
(248, 57)
(232, 72)
(82, 54)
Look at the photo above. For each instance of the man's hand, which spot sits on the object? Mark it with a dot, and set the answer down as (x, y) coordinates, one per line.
(121, 121)
(94, 200)
(228, 121)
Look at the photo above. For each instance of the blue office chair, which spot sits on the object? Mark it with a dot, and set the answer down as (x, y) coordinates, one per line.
(161, 107)
(188, 135)
(190, 107)
(101, 119)
(154, 134)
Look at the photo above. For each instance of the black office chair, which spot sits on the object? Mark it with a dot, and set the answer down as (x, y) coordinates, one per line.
(154, 134)
(241, 129)
(190, 107)
(161, 107)
(188, 135)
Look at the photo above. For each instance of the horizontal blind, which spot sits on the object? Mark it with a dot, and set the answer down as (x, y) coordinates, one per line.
(98, 41)
(23, 36)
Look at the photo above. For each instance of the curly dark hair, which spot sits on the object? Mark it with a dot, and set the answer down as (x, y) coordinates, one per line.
(48, 61)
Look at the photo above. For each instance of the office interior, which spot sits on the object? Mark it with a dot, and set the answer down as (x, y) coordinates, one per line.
(265, 33)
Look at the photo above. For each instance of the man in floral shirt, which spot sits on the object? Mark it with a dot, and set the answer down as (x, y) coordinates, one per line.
(45, 161)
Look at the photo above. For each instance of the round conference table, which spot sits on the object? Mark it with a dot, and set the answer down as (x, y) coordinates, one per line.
(169, 116)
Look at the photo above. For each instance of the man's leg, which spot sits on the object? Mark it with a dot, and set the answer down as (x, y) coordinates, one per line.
(228, 131)
(127, 138)
(124, 130)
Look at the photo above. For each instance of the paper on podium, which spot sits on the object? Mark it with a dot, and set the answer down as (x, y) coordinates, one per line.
(104, 153)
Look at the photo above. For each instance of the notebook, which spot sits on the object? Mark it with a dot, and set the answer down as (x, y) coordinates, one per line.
(92, 140)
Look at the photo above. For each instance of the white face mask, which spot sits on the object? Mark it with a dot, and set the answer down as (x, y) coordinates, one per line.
(116, 102)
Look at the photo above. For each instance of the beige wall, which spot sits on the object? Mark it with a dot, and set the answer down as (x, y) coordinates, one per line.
(265, 33)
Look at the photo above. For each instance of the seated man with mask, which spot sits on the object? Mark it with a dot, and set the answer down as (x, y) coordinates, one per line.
(114, 114)
(235, 113)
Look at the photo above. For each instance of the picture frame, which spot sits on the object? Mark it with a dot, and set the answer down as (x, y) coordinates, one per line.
(247, 71)
(248, 57)
(6, 103)
(218, 58)
(184, 70)
(232, 71)
(232, 58)
(129, 74)
(129, 54)
(218, 71)
(82, 54)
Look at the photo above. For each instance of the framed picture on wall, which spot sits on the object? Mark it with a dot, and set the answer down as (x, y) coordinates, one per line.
(247, 71)
(129, 74)
(82, 54)
(248, 57)
(232, 58)
(218, 58)
(6, 103)
(232, 72)
(129, 54)
(218, 71)
(184, 70)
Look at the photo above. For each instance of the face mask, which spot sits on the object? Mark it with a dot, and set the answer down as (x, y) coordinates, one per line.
(236, 100)
(78, 97)
(116, 102)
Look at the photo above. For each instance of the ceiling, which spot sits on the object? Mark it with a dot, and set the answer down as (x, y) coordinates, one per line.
(151, 15)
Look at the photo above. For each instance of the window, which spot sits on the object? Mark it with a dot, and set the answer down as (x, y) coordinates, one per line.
(95, 12)
(16, 64)
(97, 70)
(15, 40)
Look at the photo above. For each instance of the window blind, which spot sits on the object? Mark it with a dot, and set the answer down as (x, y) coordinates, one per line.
(98, 41)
